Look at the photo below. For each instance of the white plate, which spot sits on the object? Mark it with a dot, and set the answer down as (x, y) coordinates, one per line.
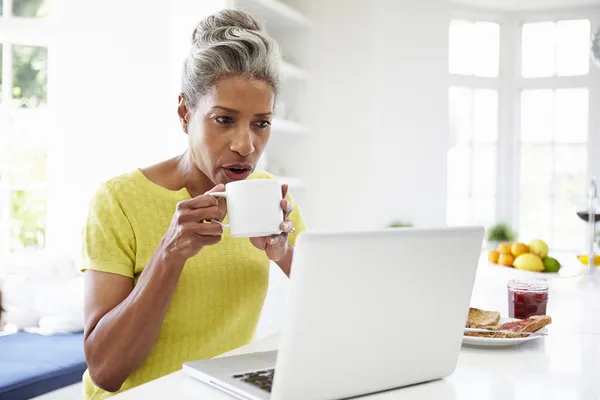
(501, 342)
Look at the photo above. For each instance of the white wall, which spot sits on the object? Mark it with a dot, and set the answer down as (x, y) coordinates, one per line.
(115, 72)
(379, 106)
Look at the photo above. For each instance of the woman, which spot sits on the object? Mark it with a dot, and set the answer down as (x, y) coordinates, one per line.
(164, 286)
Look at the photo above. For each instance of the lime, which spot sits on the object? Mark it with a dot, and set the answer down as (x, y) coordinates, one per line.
(551, 264)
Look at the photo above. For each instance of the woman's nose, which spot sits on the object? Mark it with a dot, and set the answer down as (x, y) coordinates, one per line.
(243, 143)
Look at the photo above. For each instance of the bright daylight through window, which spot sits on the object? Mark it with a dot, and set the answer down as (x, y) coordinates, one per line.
(23, 139)
(543, 159)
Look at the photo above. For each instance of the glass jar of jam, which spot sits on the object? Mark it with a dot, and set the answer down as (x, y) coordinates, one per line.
(527, 298)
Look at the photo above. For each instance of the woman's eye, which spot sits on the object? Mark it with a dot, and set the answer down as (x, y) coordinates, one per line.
(263, 124)
(224, 120)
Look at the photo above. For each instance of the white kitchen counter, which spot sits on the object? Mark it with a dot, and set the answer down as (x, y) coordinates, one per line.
(563, 366)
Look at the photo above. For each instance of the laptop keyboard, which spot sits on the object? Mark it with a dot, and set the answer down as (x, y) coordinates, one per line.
(261, 379)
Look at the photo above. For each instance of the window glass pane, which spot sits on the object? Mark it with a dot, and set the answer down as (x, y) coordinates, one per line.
(536, 170)
(457, 211)
(460, 50)
(31, 8)
(483, 210)
(535, 218)
(568, 231)
(28, 220)
(570, 170)
(461, 113)
(459, 170)
(484, 169)
(538, 44)
(30, 72)
(572, 115)
(573, 47)
(27, 146)
(537, 109)
(486, 49)
(485, 115)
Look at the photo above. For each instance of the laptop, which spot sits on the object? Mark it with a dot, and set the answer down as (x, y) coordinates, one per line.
(367, 312)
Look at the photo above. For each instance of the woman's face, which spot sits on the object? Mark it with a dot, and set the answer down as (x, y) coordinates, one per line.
(229, 128)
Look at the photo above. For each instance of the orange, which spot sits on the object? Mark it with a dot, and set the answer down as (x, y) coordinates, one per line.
(506, 259)
(519, 248)
(493, 256)
(504, 248)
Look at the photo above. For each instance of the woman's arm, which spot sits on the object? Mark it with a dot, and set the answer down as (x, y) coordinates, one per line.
(122, 321)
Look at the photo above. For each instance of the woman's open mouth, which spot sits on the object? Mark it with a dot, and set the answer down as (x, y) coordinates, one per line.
(237, 172)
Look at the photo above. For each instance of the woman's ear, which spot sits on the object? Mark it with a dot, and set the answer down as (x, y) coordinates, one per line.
(183, 112)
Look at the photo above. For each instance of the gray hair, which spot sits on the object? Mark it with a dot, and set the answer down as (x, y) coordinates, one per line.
(229, 43)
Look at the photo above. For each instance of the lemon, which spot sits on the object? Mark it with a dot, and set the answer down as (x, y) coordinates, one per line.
(584, 259)
(529, 262)
(539, 247)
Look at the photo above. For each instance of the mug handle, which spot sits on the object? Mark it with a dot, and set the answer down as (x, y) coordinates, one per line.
(224, 195)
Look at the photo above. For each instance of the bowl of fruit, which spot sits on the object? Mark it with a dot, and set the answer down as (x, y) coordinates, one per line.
(531, 257)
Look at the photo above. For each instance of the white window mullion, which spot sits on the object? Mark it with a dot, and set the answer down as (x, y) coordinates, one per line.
(508, 137)
(7, 84)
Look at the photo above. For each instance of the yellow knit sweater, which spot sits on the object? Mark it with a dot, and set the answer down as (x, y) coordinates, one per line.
(219, 298)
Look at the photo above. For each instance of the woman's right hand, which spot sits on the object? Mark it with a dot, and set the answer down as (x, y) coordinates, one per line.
(191, 229)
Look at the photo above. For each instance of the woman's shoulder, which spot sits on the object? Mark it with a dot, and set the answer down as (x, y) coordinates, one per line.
(119, 187)
(260, 174)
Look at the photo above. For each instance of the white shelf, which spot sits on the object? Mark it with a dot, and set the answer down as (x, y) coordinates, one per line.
(293, 72)
(285, 126)
(276, 14)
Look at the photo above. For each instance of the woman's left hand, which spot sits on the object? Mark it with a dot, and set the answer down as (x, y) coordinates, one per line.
(276, 246)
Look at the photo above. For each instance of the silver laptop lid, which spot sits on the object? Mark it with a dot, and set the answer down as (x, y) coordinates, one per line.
(371, 311)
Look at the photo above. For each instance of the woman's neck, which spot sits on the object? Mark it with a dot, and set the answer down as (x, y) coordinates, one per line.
(189, 176)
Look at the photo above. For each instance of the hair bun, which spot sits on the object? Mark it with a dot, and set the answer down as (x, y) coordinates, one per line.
(235, 19)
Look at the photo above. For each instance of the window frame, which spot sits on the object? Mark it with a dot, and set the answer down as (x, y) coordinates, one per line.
(510, 83)
(27, 32)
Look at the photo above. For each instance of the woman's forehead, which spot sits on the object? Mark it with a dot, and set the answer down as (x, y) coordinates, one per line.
(236, 92)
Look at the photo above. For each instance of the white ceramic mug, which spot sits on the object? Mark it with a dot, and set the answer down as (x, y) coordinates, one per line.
(253, 207)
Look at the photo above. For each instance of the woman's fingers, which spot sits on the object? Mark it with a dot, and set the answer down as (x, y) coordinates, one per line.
(200, 214)
(287, 208)
(202, 228)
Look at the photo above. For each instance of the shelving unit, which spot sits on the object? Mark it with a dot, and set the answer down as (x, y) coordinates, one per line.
(289, 26)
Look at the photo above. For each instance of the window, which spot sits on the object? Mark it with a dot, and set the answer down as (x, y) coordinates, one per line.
(474, 48)
(23, 127)
(554, 130)
(525, 163)
(472, 161)
(555, 48)
(472, 165)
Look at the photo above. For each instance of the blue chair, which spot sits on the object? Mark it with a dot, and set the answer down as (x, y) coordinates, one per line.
(32, 364)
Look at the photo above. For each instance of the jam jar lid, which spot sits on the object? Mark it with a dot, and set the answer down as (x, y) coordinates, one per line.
(528, 286)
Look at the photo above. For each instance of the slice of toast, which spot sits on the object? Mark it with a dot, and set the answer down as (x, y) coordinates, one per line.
(531, 324)
(482, 319)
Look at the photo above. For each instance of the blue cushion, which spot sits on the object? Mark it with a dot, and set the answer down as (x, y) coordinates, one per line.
(31, 364)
